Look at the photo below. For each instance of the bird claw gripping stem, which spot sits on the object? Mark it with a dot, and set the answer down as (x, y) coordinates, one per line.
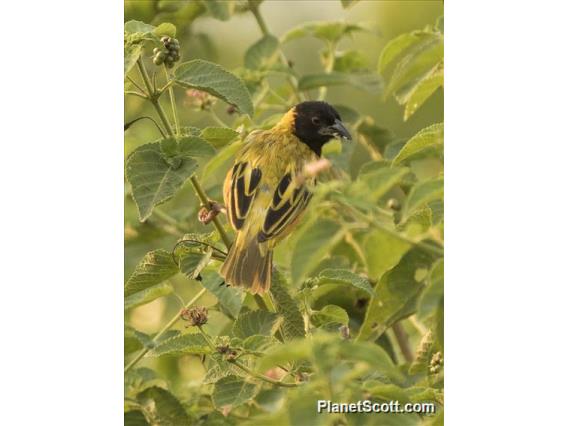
(208, 213)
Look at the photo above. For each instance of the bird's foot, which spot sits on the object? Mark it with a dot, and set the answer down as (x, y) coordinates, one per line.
(208, 213)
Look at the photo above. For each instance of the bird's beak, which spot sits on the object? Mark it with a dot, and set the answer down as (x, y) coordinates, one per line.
(337, 130)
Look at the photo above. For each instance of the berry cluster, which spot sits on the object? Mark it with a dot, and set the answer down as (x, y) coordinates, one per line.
(168, 54)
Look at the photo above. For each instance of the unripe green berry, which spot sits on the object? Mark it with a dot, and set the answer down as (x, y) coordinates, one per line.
(165, 39)
(158, 60)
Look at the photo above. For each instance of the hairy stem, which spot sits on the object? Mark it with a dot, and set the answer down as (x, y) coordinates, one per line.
(328, 68)
(163, 330)
(173, 102)
(265, 31)
(130, 123)
(403, 342)
(196, 185)
(437, 251)
(244, 367)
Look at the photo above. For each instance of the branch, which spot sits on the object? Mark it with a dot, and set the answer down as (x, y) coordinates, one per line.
(253, 6)
(196, 185)
(245, 368)
(163, 330)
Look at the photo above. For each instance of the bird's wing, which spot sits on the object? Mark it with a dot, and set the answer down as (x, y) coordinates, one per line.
(288, 202)
(240, 188)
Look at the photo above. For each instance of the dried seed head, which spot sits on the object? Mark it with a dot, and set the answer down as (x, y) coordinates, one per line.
(196, 316)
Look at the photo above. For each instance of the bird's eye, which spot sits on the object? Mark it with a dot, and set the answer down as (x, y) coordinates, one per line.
(316, 121)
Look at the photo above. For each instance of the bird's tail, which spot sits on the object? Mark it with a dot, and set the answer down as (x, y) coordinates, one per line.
(248, 266)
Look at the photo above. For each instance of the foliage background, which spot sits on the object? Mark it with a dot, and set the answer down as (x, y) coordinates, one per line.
(202, 36)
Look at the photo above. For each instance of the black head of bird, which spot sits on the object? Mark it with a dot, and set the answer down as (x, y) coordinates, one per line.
(316, 123)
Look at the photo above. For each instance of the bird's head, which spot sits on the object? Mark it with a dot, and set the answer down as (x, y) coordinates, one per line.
(315, 123)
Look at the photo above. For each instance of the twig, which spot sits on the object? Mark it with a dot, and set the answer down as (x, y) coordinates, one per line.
(163, 330)
(196, 185)
(130, 123)
(134, 93)
(244, 367)
(264, 29)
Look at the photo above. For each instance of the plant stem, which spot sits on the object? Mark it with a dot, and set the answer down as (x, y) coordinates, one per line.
(134, 93)
(264, 29)
(136, 84)
(328, 69)
(427, 247)
(163, 330)
(403, 343)
(244, 367)
(196, 185)
(173, 102)
(217, 119)
(263, 377)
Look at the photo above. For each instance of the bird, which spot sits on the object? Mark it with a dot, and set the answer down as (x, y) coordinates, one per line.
(266, 190)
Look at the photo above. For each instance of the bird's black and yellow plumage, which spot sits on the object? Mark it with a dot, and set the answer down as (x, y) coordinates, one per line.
(266, 191)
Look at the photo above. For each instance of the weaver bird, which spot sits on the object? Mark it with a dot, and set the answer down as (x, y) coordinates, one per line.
(266, 191)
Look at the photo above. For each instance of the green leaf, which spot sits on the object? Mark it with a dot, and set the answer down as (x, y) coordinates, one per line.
(316, 240)
(423, 193)
(262, 53)
(422, 91)
(258, 343)
(135, 418)
(397, 46)
(133, 27)
(433, 294)
(286, 306)
(256, 322)
(328, 31)
(382, 252)
(344, 276)
(138, 379)
(330, 314)
(218, 136)
(369, 82)
(416, 63)
(195, 147)
(154, 179)
(350, 60)
(215, 80)
(154, 268)
(131, 54)
(165, 407)
(181, 345)
(231, 299)
(431, 136)
(134, 340)
(147, 295)
(232, 391)
(220, 9)
(395, 295)
(374, 355)
(376, 182)
(165, 29)
(292, 351)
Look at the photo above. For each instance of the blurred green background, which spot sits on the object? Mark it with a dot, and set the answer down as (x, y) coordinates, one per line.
(225, 43)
